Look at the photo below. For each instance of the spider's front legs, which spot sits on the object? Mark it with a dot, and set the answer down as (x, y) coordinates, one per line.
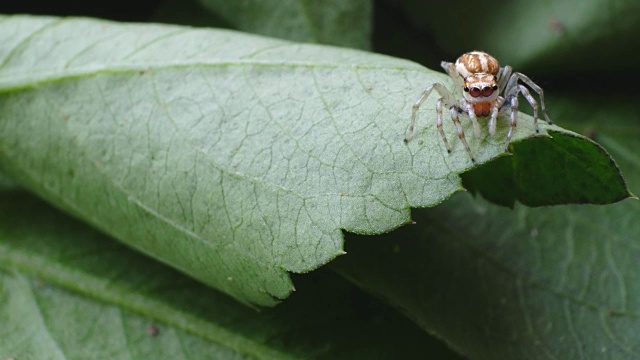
(474, 120)
(446, 96)
(454, 116)
(495, 110)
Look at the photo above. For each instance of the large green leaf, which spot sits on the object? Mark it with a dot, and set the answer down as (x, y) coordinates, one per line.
(234, 158)
(496, 283)
(335, 22)
(122, 294)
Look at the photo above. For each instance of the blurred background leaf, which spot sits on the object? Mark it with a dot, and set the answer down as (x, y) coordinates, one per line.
(545, 36)
(333, 22)
(122, 293)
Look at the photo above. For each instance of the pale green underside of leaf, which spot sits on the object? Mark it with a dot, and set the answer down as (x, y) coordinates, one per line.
(234, 158)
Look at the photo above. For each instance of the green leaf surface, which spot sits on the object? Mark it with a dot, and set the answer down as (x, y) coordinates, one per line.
(545, 283)
(41, 321)
(335, 22)
(545, 36)
(531, 176)
(118, 295)
(234, 158)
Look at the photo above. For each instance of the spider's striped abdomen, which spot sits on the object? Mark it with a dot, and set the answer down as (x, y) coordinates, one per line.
(477, 62)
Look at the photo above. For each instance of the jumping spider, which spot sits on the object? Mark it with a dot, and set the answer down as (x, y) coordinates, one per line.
(481, 80)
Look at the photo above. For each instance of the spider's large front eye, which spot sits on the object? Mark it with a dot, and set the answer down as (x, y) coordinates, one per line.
(487, 91)
(466, 89)
(475, 92)
(495, 87)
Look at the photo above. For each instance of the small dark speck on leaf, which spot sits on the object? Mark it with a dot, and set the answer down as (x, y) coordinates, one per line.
(65, 116)
(590, 133)
(153, 330)
(557, 26)
(368, 88)
(421, 142)
(614, 313)
(341, 194)
(142, 72)
(38, 283)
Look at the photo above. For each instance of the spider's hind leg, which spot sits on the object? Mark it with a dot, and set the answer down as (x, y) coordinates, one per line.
(440, 89)
(512, 87)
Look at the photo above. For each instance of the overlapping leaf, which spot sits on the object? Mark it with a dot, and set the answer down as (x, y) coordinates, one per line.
(496, 283)
(120, 298)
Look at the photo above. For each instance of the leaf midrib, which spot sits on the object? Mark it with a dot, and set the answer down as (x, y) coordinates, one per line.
(15, 82)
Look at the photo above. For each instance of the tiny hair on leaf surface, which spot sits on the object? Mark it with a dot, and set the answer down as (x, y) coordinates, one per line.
(234, 158)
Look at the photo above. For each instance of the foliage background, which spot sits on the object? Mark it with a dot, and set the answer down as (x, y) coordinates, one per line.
(488, 281)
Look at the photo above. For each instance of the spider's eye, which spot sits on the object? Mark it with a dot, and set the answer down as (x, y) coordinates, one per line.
(475, 92)
(466, 89)
(487, 91)
(495, 87)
